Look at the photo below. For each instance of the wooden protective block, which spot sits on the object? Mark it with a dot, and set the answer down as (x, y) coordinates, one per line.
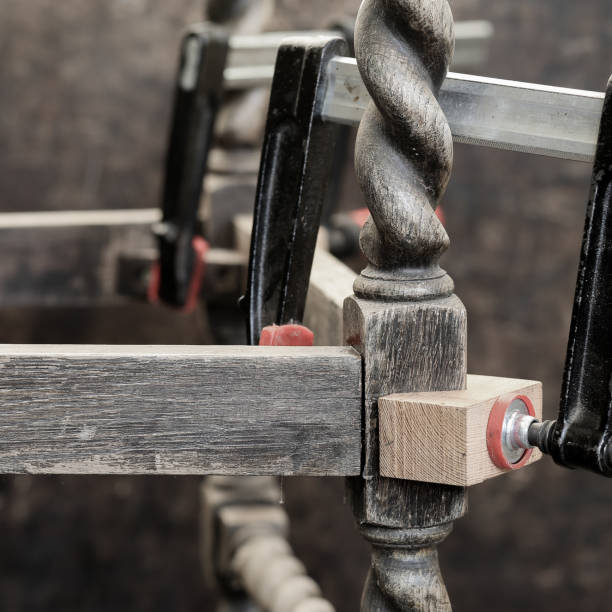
(441, 437)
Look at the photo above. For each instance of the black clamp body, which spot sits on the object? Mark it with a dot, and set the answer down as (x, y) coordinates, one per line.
(581, 436)
(296, 167)
(197, 99)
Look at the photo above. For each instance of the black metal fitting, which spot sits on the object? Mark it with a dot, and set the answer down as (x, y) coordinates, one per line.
(197, 99)
(540, 435)
(296, 166)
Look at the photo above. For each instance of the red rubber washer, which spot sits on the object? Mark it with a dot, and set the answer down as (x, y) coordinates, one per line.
(286, 335)
(494, 433)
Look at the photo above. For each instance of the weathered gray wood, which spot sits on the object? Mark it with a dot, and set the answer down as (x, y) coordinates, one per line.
(68, 258)
(93, 258)
(179, 410)
(442, 437)
(412, 346)
(331, 283)
(404, 319)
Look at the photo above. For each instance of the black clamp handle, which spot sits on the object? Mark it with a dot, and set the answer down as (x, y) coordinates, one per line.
(581, 437)
(197, 99)
(296, 166)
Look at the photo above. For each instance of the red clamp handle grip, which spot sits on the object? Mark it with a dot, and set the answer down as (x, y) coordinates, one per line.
(200, 247)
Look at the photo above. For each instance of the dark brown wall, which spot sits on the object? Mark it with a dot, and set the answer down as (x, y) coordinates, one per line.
(540, 538)
(84, 101)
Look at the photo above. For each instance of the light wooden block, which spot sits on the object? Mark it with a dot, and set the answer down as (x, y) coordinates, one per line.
(441, 437)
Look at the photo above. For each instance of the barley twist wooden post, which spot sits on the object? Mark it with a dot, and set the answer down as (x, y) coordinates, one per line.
(404, 318)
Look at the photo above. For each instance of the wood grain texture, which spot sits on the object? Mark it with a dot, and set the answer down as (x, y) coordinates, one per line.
(407, 346)
(441, 437)
(331, 282)
(404, 320)
(179, 410)
(404, 146)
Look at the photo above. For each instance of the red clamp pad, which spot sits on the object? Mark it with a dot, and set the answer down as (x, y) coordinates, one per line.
(153, 287)
(200, 247)
(494, 433)
(360, 215)
(286, 335)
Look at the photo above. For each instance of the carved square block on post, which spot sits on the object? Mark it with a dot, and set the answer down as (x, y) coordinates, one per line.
(442, 437)
(406, 346)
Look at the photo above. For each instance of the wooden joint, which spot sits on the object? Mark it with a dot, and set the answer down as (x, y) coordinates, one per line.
(441, 437)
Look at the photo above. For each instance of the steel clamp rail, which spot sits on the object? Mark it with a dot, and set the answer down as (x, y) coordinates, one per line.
(252, 58)
(526, 117)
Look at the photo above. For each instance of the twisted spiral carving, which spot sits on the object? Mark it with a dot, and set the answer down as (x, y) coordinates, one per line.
(404, 148)
(275, 578)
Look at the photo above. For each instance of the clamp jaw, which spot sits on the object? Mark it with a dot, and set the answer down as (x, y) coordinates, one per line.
(283, 239)
(295, 169)
(581, 437)
(197, 99)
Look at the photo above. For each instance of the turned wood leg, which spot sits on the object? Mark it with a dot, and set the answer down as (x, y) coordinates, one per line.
(404, 319)
(405, 574)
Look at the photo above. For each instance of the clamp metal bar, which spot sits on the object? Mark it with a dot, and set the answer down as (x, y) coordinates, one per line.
(252, 57)
(539, 119)
(248, 50)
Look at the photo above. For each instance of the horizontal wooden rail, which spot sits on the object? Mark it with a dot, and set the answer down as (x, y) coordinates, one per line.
(179, 410)
(68, 258)
(71, 258)
(331, 282)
